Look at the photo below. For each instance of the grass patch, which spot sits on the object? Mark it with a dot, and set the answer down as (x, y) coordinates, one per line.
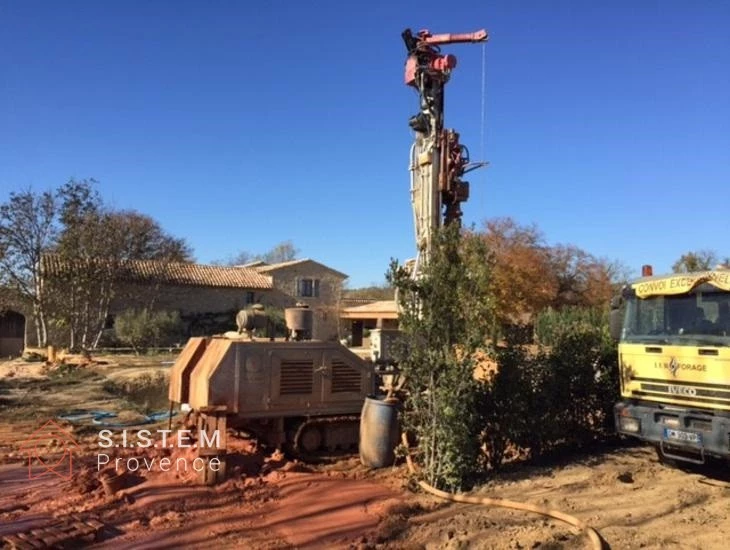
(146, 393)
(66, 375)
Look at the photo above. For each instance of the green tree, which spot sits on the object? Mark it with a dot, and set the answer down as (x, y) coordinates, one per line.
(145, 328)
(442, 321)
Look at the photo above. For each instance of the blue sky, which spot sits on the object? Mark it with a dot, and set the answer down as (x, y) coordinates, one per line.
(239, 124)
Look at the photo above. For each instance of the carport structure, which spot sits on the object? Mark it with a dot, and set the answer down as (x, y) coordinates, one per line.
(380, 314)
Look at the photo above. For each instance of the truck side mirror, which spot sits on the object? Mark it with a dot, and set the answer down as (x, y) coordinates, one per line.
(615, 322)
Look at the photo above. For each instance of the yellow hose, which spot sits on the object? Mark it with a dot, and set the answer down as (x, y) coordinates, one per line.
(486, 501)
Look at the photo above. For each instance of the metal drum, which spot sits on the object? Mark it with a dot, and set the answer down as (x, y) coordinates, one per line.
(299, 321)
(379, 432)
(251, 319)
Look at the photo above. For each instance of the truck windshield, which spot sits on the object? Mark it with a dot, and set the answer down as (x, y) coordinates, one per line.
(698, 318)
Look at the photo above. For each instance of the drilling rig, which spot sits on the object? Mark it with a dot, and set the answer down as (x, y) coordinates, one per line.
(299, 392)
(438, 161)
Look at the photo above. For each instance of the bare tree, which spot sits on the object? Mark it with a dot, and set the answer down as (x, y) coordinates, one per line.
(700, 260)
(94, 246)
(242, 258)
(28, 227)
(285, 251)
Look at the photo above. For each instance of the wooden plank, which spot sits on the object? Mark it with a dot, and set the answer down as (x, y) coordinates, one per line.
(29, 540)
(17, 543)
(94, 523)
(69, 529)
(52, 538)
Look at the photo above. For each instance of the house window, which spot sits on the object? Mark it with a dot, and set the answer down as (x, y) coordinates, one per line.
(250, 298)
(308, 288)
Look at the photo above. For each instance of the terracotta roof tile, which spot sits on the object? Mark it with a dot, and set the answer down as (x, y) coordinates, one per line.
(176, 273)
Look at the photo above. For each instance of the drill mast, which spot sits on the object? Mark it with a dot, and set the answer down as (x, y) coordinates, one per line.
(438, 161)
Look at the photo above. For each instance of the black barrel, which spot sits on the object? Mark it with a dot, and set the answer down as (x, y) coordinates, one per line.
(379, 432)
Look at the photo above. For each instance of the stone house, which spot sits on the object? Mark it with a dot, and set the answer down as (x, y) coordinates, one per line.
(207, 297)
(309, 282)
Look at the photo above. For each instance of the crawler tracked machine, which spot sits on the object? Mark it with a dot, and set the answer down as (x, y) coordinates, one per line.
(292, 392)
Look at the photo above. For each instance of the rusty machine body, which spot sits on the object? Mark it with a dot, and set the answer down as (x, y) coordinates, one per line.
(294, 392)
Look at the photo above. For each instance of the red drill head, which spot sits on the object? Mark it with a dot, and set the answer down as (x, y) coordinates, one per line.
(443, 63)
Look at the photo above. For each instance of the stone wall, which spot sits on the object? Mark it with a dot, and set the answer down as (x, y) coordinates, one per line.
(185, 299)
(204, 309)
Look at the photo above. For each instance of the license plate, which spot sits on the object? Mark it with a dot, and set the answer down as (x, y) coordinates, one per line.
(671, 434)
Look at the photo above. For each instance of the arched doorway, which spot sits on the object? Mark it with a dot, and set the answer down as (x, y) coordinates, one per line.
(12, 333)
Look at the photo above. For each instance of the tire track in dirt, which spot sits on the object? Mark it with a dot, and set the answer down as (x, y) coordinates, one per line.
(630, 498)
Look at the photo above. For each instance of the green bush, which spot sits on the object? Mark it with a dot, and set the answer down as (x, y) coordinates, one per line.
(552, 325)
(142, 329)
(554, 397)
(277, 321)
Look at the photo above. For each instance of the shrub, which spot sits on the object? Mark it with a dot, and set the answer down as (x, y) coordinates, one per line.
(277, 321)
(143, 329)
(552, 397)
(552, 325)
(442, 320)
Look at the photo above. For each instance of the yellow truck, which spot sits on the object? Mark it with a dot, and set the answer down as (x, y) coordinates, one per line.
(673, 337)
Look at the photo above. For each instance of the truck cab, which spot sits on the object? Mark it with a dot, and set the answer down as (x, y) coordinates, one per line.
(673, 337)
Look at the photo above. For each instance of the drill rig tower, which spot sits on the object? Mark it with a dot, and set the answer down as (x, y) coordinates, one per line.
(438, 161)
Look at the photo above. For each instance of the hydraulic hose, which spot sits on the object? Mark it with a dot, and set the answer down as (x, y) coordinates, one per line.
(593, 535)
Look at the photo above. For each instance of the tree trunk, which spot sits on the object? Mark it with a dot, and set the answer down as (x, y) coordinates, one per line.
(37, 323)
(39, 312)
(43, 342)
(86, 321)
(101, 322)
(72, 319)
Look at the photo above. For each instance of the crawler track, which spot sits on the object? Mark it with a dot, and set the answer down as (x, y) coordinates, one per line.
(329, 433)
